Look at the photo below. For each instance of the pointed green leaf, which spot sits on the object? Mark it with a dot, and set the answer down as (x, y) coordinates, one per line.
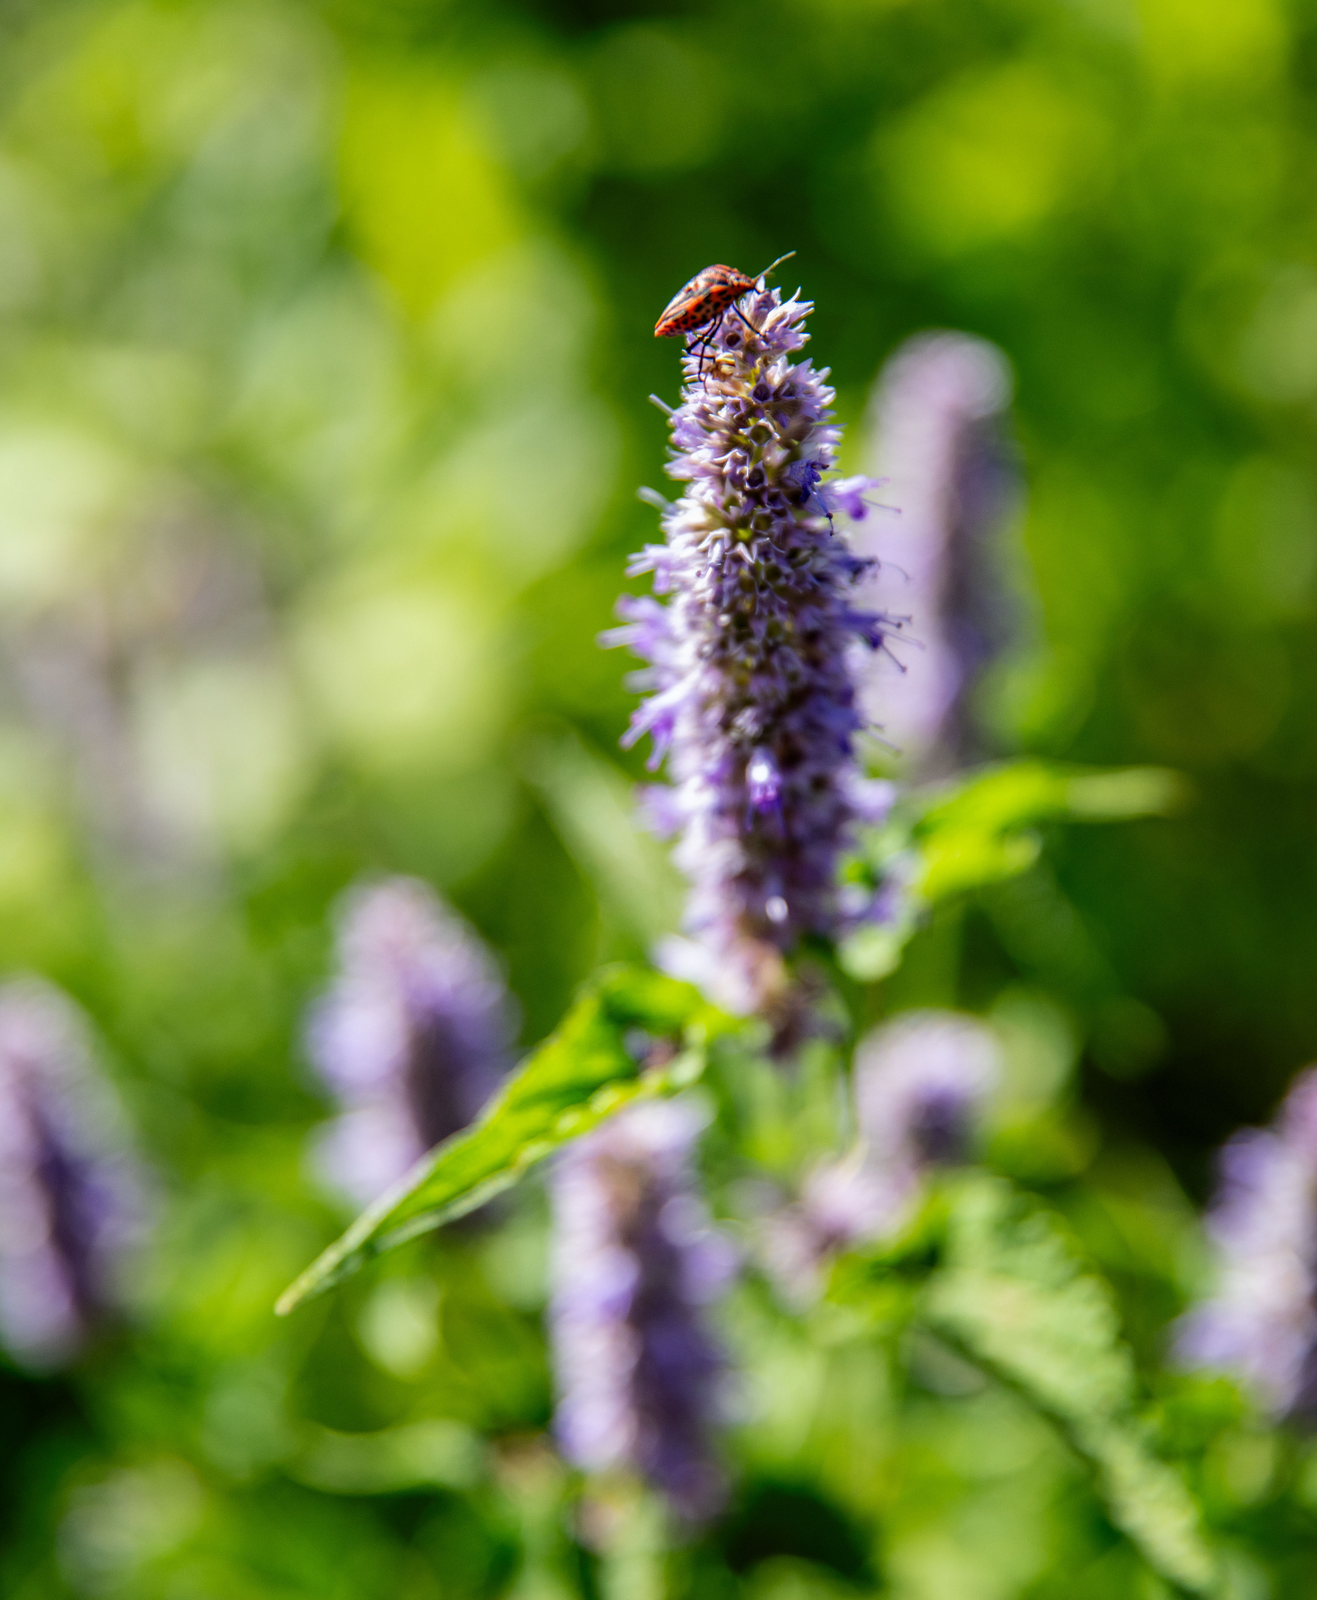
(632, 1034)
(948, 839)
(977, 830)
(1014, 1297)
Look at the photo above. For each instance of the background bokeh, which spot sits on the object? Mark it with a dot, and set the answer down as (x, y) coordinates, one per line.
(325, 342)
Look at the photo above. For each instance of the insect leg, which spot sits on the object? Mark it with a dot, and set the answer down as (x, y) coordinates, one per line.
(708, 341)
(746, 320)
(700, 342)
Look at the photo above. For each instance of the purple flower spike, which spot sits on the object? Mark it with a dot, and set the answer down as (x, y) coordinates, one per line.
(921, 1084)
(635, 1264)
(413, 1035)
(937, 417)
(752, 697)
(71, 1193)
(1261, 1323)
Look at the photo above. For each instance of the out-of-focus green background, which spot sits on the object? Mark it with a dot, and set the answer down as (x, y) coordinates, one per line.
(325, 337)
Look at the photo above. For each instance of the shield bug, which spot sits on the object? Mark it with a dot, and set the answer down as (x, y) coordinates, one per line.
(702, 303)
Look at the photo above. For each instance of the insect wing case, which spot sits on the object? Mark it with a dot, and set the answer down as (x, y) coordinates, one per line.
(697, 303)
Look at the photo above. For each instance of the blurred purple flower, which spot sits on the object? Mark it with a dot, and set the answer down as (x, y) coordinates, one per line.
(937, 416)
(71, 1192)
(921, 1083)
(413, 1035)
(752, 697)
(1261, 1323)
(636, 1261)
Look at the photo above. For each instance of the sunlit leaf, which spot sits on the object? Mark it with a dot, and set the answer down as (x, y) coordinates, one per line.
(632, 1035)
(1020, 794)
(1013, 1296)
(949, 839)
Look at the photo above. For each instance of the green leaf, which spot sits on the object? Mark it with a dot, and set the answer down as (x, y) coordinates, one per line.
(632, 1034)
(1003, 799)
(949, 839)
(1014, 1297)
(978, 830)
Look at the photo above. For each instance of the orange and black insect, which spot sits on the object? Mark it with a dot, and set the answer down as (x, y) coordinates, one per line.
(705, 301)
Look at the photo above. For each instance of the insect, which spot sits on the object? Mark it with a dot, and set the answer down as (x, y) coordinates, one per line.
(702, 304)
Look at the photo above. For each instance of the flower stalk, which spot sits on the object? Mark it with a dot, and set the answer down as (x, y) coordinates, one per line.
(413, 1035)
(751, 686)
(636, 1262)
(1261, 1320)
(72, 1196)
(939, 417)
(922, 1082)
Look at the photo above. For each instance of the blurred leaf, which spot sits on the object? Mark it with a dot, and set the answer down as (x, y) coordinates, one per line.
(1014, 1297)
(594, 810)
(437, 1451)
(633, 1034)
(981, 829)
(978, 830)
(406, 138)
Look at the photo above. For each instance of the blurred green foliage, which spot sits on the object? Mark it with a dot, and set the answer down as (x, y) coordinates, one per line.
(632, 1035)
(324, 343)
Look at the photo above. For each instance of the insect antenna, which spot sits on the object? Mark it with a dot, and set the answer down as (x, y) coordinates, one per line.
(759, 279)
(777, 263)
